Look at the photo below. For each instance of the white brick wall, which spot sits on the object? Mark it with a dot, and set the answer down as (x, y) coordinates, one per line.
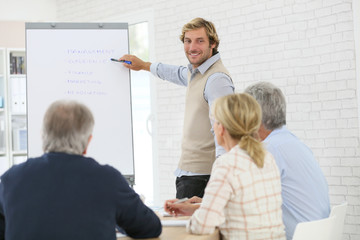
(306, 47)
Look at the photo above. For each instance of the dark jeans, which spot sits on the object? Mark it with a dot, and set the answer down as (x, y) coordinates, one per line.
(189, 186)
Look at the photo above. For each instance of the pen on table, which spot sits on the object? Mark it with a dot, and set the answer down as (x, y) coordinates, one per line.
(116, 60)
(181, 200)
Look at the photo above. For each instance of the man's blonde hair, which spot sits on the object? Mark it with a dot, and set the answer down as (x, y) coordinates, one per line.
(240, 114)
(210, 30)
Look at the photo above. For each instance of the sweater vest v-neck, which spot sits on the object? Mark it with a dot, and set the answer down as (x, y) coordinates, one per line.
(198, 145)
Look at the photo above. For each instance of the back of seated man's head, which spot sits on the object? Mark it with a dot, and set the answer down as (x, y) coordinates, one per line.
(272, 102)
(67, 127)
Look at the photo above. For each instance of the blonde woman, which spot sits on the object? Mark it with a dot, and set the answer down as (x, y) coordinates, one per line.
(243, 196)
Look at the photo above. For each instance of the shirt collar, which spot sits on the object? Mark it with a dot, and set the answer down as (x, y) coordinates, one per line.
(206, 65)
(275, 132)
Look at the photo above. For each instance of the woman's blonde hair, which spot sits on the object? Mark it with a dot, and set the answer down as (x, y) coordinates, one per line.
(240, 115)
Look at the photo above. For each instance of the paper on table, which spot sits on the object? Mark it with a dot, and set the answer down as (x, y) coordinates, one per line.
(165, 214)
(174, 223)
(118, 235)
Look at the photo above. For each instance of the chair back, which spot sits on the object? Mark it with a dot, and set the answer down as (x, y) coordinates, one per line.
(339, 213)
(315, 230)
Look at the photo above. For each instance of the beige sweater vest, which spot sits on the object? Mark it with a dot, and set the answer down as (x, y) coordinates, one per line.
(198, 145)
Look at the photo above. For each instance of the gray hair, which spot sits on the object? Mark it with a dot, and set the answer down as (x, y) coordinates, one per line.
(272, 102)
(67, 127)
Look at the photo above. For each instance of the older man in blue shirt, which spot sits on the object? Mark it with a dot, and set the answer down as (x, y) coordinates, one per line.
(304, 187)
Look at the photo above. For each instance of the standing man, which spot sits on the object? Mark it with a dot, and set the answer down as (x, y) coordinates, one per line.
(304, 191)
(65, 195)
(206, 79)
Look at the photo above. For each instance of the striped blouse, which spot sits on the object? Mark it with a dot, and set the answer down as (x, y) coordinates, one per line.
(244, 201)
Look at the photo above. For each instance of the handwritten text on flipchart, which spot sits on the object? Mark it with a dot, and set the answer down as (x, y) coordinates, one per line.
(81, 77)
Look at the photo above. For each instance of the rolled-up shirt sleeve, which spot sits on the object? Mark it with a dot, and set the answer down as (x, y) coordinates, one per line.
(217, 193)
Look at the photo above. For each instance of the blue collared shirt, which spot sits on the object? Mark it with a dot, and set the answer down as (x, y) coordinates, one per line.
(304, 190)
(218, 85)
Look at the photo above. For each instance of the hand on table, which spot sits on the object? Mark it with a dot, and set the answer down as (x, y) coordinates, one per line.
(186, 208)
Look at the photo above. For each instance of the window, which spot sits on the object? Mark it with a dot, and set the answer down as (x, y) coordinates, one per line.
(143, 104)
(141, 111)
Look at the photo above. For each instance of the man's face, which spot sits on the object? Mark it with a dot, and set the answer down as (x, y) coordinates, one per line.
(197, 46)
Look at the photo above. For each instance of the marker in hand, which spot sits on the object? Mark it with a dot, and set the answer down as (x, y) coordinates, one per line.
(116, 60)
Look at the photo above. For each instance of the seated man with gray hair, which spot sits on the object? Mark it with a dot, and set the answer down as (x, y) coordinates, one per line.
(65, 195)
(304, 187)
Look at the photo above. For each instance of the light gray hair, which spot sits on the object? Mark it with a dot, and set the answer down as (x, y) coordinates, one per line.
(67, 127)
(272, 102)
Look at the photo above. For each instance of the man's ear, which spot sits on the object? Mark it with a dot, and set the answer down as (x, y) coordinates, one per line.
(87, 144)
(263, 132)
(212, 46)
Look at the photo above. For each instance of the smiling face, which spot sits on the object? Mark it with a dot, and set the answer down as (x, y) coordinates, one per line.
(197, 47)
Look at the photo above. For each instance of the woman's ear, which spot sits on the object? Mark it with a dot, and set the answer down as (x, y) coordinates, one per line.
(221, 129)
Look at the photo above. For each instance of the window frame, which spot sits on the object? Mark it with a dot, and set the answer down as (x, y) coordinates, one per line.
(147, 15)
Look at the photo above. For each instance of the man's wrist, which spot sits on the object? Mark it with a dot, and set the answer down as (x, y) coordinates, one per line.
(146, 66)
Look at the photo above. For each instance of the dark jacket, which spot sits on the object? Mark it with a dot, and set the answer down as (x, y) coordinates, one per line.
(64, 196)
